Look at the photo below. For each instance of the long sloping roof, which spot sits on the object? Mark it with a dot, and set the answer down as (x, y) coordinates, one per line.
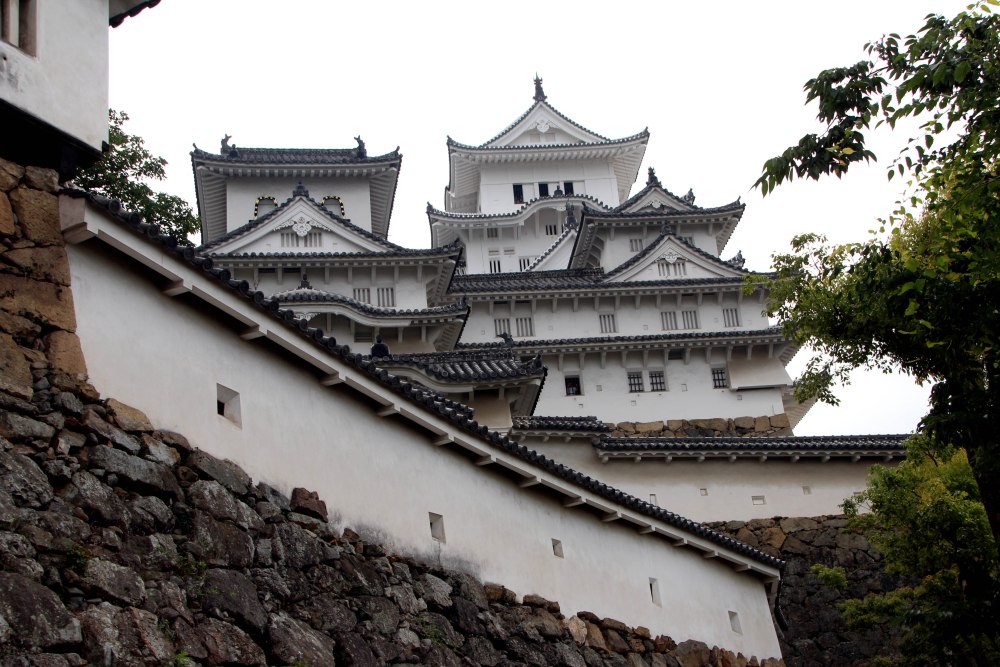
(296, 156)
(458, 414)
(834, 446)
(561, 424)
(468, 365)
(309, 295)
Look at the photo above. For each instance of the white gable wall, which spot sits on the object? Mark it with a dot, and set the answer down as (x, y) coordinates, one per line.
(242, 193)
(594, 178)
(381, 476)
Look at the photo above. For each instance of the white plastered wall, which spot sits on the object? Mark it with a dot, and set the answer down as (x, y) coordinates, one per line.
(242, 193)
(382, 477)
(65, 83)
(596, 179)
(720, 490)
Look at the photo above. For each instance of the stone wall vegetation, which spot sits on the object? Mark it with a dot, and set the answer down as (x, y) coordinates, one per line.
(816, 633)
(121, 544)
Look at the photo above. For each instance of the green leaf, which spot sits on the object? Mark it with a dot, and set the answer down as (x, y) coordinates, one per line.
(962, 70)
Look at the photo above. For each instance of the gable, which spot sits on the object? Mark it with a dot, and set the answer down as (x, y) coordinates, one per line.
(557, 256)
(298, 226)
(543, 125)
(656, 200)
(671, 258)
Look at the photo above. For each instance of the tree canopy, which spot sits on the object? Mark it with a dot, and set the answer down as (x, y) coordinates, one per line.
(123, 173)
(922, 295)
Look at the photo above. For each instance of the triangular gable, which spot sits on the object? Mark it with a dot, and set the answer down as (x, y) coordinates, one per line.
(544, 125)
(557, 256)
(298, 216)
(670, 258)
(655, 199)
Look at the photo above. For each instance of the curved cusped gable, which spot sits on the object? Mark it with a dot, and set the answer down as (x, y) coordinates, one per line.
(670, 257)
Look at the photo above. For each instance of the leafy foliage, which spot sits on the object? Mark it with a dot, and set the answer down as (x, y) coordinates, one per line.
(922, 296)
(123, 173)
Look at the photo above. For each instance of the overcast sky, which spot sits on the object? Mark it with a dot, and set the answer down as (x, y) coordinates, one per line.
(718, 84)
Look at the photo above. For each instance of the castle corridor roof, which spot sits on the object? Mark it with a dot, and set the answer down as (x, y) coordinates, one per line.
(853, 447)
(468, 365)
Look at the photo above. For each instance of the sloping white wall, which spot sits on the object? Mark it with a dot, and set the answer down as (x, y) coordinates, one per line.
(382, 477)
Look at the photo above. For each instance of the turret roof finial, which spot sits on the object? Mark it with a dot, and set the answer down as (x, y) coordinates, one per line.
(539, 93)
(652, 179)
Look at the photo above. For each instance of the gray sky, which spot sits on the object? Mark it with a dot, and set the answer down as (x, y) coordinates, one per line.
(718, 84)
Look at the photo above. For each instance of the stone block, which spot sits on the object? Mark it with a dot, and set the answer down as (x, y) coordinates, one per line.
(18, 326)
(225, 472)
(45, 302)
(48, 263)
(40, 178)
(795, 524)
(114, 581)
(649, 427)
(294, 642)
(129, 418)
(308, 503)
(34, 614)
(10, 175)
(717, 424)
(38, 213)
(780, 421)
(14, 368)
(676, 424)
(63, 351)
(744, 422)
(762, 424)
(7, 226)
(626, 427)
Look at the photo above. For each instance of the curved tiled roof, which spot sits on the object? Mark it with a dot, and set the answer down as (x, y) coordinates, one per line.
(509, 214)
(473, 365)
(648, 338)
(312, 156)
(569, 279)
(650, 248)
(842, 446)
(551, 108)
(606, 142)
(458, 414)
(555, 245)
(669, 213)
(118, 19)
(576, 424)
(452, 249)
(310, 295)
(655, 185)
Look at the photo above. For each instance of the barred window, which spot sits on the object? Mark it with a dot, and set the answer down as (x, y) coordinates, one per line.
(669, 320)
(719, 380)
(524, 327)
(573, 386)
(657, 381)
(551, 230)
(731, 317)
(663, 268)
(494, 266)
(492, 233)
(314, 239)
(386, 297)
(501, 325)
(525, 262)
(363, 294)
(635, 382)
(290, 240)
(568, 188)
(690, 319)
(635, 245)
(608, 324)
(680, 268)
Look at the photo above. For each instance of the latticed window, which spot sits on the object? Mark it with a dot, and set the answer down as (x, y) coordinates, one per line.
(719, 378)
(494, 266)
(524, 327)
(314, 239)
(680, 268)
(689, 319)
(492, 233)
(608, 324)
(551, 230)
(731, 317)
(386, 297)
(501, 325)
(663, 268)
(525, 262)
(669, 320)
(290, 240)
(363, 294)
(635, 245)
(657, 381)
(635, 382)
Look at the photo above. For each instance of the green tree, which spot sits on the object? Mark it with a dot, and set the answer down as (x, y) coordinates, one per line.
(123, 173)
(923, 295)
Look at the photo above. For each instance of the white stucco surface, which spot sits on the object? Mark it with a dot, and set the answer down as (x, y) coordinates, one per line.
(382, 476)
(65, 82)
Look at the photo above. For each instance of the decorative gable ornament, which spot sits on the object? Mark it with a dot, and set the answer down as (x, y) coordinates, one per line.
(302, 225)
(543, 125)
(670, 256)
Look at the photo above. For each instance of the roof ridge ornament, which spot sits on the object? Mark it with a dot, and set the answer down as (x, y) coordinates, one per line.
(539, 93)
(689, 197)
(652, 179)
(360, 151)
(571, 222)
(225, 148)
(300, 190)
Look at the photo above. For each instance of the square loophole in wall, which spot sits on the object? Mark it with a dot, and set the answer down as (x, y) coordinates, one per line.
(654, 592)
(557, 548)
(807, 490)
(734, 622)
(758, 500)
(437, 526)
(227, 404)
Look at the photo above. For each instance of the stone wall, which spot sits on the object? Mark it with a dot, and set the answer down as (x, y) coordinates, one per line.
(120, 545)
(816, 633)
(738, 427)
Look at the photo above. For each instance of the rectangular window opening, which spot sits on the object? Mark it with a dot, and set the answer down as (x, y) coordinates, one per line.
(551, 230)
(494, 266)
(703, 491)
(654, 592)
(652, 499)
(492, 233)
(669, 320)
(518, 193)
(573, 386)
(501, 325)
(675, 355)
(635, 245)
(437, 526)
(363, 294)
(568, 188)
(557, 548)
(731, 317)
(690, 319)
(386, 297)
(657, 381)
(758, 500)
(543, 189)
(635, 384)
(719, 380)
(734, 622)
(227, 404)
(525, 327)
(807, 490)
(608, 323)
